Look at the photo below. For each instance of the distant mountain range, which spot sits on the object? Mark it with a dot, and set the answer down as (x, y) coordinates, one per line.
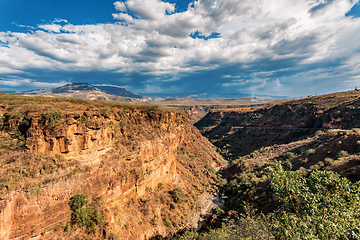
(71, 87)
(87, 91)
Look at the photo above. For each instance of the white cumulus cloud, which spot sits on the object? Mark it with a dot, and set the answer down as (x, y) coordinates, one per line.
(268, 41)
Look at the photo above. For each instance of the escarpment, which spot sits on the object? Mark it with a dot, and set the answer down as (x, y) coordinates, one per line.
(144, 169)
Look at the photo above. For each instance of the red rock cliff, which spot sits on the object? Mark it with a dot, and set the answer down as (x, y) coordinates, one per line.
(117, 157)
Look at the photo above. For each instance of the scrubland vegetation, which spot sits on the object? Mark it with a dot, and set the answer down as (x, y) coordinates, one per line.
(294, 170)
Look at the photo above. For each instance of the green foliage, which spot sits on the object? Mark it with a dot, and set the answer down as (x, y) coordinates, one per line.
(154, 221)
(241, 184)
(289, 155)
(83, 118)
(332, 134)
(161, 186)
(242, 166)
(287, 165)
(178, 195)
(127, 226)
(9, 115)
(67, 226)
(253, 155)
(308, 152)
(322, 205)
(183, 150)
(246, 226)
(78, 201)
(168, 223)
(341, 154)
(19, 135)
(210, 169)
(107, 110)
(85, 216)
(114, 236)
(218, 211)
(53, 118)
(220, 180)
(319, 133)
(189, 235)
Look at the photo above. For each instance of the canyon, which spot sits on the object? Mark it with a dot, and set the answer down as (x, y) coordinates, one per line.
(127, 159)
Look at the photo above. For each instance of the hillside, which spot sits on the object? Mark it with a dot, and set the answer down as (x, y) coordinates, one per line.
(246, 130)
(126, 171)
(294, 169)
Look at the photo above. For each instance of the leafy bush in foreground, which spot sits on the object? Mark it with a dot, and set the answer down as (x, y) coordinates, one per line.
(322, 205)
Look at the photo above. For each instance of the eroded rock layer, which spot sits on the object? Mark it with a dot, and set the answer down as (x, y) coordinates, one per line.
(127, 160)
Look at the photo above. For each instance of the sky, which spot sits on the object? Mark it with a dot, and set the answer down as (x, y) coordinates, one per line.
(258, 47)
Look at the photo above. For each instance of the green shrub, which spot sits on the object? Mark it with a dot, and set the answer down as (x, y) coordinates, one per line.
(244, 227)
(287, 165)
(85, 216)
(78, 201)
(322, 205)
(218, 211)
(53, 118)
(210, 169)
(357, 149)
(308, 152)
(331, 134)
(114, 236)
(107, 110)
(341, 154)
(220, 180)
(253, 155)
(19, 135)
(161, 186)
(183, 150)
(289, 155)
(319, 133)
(168, 223)
(178, 195)
(127, 226)
(189, 235)
(67, 226)
(328, 161)
(154, 221)
(83, 118)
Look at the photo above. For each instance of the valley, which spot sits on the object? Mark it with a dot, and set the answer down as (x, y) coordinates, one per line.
(275, 153)
(73, 168)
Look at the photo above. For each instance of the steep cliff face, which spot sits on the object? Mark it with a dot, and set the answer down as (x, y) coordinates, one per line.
(127, 159)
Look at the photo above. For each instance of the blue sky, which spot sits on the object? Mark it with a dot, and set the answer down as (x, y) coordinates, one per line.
(259, 47)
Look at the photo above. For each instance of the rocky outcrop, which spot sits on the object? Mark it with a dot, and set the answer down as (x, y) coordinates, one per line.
(74, 137)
